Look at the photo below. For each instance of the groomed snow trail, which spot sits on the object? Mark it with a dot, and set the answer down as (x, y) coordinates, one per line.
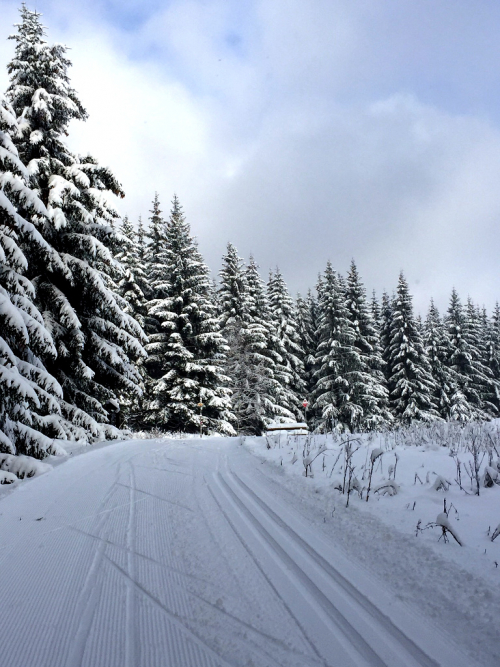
(182, 554)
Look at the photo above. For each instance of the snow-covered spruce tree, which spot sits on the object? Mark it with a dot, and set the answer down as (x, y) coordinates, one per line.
(141, 246)
(190, 351)
(97, 343)
(336, 358)
(493, 343)
(475, 333)
(153, 251)
(376, 312)
(241, 367)
(386, 314)
(232, 293)
(269, 359)
(133, 287)
(465, 401)
(29, 405)
(250, 364)
(286, 343)
(436, 344)
(133, 284)
(411, 384)
(155, 244)
(489, 353)
(369, 389)
(307, 323)
(311, 371)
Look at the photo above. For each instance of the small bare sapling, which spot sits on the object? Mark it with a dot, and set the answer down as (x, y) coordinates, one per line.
(309, 457)
(394, 467)
(443, 522)
(374, 456)
(473, 467)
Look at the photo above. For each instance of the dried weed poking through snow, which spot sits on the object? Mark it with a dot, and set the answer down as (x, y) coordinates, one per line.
(406, 477)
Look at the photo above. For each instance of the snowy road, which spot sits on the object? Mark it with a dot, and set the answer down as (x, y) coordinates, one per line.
(170, 554)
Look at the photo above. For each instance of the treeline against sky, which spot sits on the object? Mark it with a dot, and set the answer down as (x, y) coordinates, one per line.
(105, 324)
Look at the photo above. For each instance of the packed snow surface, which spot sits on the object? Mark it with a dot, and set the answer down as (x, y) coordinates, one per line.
(198, 553)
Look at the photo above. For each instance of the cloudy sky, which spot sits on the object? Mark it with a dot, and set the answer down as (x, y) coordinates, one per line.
(301, 131)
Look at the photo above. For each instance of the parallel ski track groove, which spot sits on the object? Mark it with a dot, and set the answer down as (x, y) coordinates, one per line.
(130, 640)
(319, 658)
(413, 649)
(337, 619)
(84, 610)
(305, 660)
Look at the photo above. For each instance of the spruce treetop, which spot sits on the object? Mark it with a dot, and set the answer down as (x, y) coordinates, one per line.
(40, 92)
(233, 289)
(411, 383)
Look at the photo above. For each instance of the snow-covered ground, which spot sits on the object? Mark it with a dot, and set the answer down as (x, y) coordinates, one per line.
(458, 587)
(197, 552)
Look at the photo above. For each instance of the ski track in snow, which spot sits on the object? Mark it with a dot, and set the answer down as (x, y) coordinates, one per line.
(336, 623)
(182, 554)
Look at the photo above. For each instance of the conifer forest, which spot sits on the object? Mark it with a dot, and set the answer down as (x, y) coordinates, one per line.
(109, 324)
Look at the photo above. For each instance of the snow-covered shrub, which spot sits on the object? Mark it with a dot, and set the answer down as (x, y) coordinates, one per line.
(22, 466)
(309, 455)
(444, 523)
(441, 484)
(491, 476)
(7, 477)
(387, 488)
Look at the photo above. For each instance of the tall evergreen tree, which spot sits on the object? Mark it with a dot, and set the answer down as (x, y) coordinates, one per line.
(386, 315)
(241, 365)
(411, 384)
(336, 357)
(366, 377)
(97, 344)
(132, 287)
(190, 350)
(156, 239)
(376, 312)
(250, 362)
(153, 248)
(436, 344)
(133, 283)
(141, 245)
(289, 369)
(464, 360)
(307, 322)
(262, 345)
(29, 395)
(493, 343)
(476, 333)
(232, 293)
